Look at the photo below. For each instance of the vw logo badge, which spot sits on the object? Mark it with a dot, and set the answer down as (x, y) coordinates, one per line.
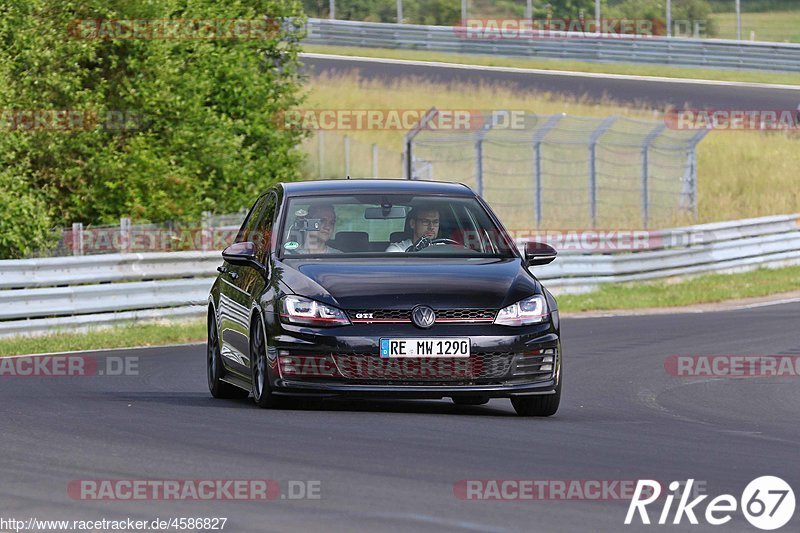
(423, 316)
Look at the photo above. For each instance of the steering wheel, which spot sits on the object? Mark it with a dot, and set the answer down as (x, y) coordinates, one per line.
(424, 242)
(445, 241)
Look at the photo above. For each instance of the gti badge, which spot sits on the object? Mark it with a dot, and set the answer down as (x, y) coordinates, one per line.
(423, 316)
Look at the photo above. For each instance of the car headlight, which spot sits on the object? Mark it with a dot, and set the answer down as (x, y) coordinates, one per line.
(299, 310)
(531, 310)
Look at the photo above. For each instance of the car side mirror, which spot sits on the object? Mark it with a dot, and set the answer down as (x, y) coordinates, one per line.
(243, 254)
(539, 253)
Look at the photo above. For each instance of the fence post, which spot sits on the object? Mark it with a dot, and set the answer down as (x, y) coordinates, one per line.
(374, 160)
(346, 155)
(77, 238)
(690, 178)
(646, 171)
(205, 231)
(321, 153)
(124, 234)
(408, 143)
(482, 133)
(537, 139)
(593, 138)
(479, 165)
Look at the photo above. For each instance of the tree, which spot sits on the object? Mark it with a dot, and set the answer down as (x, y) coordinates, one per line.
(161, 128)
(684, 14)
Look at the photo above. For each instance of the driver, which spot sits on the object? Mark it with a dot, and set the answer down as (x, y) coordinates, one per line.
(424, 223)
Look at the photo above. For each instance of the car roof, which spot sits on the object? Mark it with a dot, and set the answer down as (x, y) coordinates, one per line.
(375, 186)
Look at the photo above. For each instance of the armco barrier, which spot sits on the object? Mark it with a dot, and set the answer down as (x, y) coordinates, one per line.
(76, 270)
(76, 292)
(709, 53)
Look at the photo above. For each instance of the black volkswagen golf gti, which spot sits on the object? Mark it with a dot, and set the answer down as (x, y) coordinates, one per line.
(382, 288)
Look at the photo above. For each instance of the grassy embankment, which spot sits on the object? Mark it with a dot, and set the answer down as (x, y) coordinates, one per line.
(144, 334)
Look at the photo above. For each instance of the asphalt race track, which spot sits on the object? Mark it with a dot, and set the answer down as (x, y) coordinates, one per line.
(650, 93)
(392, 465)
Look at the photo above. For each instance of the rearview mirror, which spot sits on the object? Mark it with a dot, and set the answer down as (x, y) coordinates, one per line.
(539, 253)
(372, 213)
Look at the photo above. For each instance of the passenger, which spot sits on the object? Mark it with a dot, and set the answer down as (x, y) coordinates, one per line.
(316, 242)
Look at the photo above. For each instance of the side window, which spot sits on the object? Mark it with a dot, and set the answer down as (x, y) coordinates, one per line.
(249, 224)
(263, 228)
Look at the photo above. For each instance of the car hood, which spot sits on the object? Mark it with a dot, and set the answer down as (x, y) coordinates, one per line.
(487, 283)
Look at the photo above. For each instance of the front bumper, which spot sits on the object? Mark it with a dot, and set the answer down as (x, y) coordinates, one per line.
(504, 363)
(507, 390)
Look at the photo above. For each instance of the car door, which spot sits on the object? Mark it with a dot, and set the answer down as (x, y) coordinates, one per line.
(253, 280)
(234, 307)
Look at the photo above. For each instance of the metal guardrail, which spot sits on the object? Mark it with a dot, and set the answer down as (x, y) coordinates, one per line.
(69, 270)
(720, 247)
(710, 53)
(76, 292)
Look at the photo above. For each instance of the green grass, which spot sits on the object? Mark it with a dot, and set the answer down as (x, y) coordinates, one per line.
(145, 334)
(670, 293)
(754, 6)
(557, 64)
(779, 26)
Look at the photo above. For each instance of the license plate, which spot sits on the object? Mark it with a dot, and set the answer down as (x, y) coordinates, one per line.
(437, 347)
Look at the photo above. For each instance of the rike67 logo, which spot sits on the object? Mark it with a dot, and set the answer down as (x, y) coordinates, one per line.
(767, 503)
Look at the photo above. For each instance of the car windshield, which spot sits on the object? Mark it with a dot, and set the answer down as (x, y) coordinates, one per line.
(386, 225)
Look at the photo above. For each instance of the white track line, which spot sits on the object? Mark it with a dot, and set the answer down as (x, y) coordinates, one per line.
(718, 307)
(767, 304)
(564, 73)
(106, 350)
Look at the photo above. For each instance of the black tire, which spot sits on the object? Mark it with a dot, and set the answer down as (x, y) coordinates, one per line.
(545, 405)
(214, 368)
(470, 400)
(262, 393)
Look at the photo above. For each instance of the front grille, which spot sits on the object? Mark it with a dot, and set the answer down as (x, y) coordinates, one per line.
(452, 316)
(466, 315)
(443, 369)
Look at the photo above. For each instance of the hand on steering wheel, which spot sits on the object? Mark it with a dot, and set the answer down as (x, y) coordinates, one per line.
(424, 242)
